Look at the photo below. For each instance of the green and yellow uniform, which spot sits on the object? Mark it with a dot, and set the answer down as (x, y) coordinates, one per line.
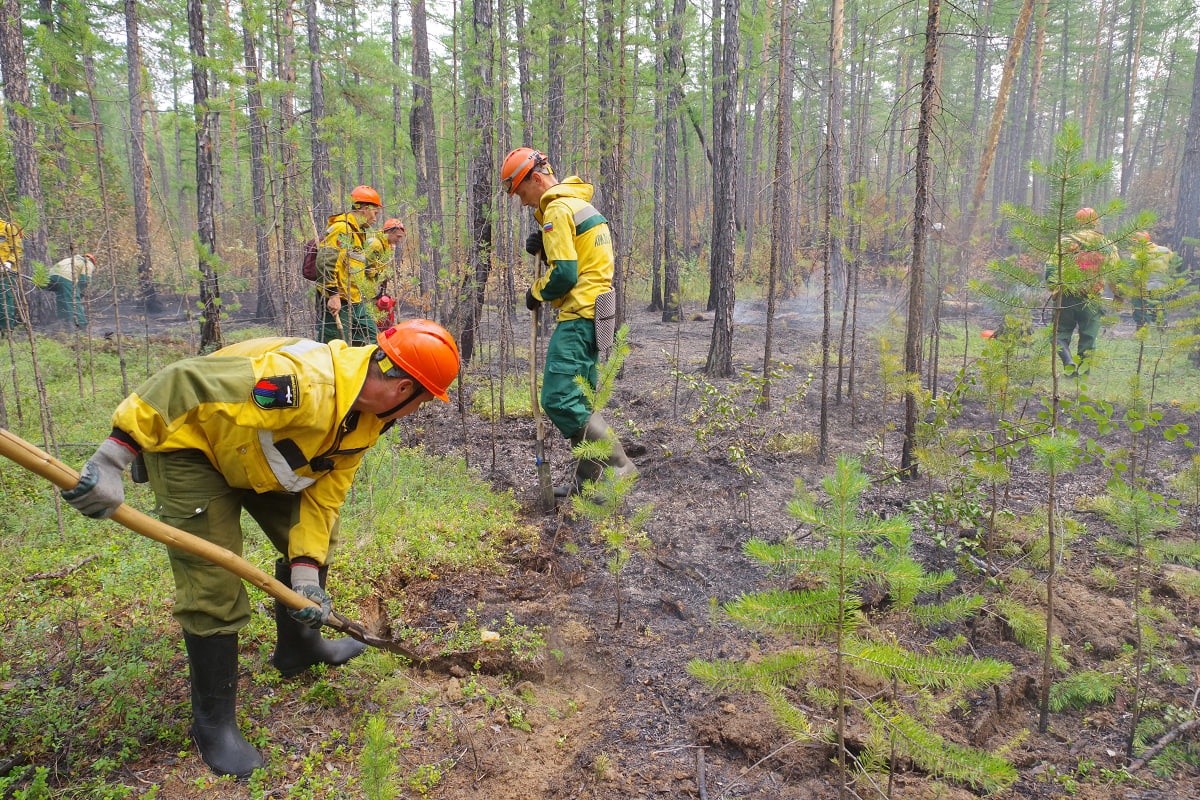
(265, 425)
(342, 261)
(578, 247)
(11, 251)
(1089, 259)
(69, 280)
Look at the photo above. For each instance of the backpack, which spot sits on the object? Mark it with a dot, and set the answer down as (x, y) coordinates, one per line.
(309, 266)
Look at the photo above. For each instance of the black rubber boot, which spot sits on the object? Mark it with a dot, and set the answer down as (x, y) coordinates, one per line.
(213, 661)
(596, 430)
(297, 646)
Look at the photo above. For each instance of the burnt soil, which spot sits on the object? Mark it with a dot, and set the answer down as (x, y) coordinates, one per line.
(611, 712)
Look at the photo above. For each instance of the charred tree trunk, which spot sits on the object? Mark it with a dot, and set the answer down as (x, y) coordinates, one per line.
(206, 223)
(916, 287)
(781, 206)
(720, 352)
(423, 138)
(1187, 208)
(266, 310)
(139, 172)
(672, 256)
(481, 177)
(322, 187)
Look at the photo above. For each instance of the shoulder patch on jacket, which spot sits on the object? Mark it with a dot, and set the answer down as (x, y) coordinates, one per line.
(278, 391)
(549, 226)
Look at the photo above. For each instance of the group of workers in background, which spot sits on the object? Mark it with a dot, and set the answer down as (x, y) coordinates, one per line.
(353, 267)
(68, 279)
(1078, 296)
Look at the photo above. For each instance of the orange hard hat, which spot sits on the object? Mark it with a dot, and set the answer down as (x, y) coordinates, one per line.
(424, 350)
(518, 164)
(393, 224)
(90, 257)
(1141, 237)
(1086, 216)
(365, 194)
(988, 334)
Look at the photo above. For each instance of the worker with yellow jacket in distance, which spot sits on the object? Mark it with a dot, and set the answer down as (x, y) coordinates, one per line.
(341, 266)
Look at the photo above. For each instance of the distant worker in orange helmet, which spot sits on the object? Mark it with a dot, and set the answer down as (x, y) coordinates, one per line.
(1150, 275)
(277, 427)
(342, 264)
(1089, 261)
(381, 251)
(574, 240)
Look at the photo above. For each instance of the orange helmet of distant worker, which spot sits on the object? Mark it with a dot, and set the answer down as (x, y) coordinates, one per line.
(517, 166)
(365, 195)
(426, 351)
(1086, 216)
(90, 258)
(1141, 237)
(393, 224)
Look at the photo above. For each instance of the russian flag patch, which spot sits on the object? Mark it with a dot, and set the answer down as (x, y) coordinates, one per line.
(549, 226)
(278, 391)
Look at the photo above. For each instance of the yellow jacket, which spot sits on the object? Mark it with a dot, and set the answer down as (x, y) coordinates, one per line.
(379, 259)
(271, 415)
(342, 257)
(578, 246)
(10, 245)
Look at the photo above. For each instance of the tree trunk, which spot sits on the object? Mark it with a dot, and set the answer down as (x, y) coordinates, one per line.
(1133, 60)
(322, 186)
(781, 205)
(17, 104)
(266, 310)
(672, 257)
(916, 286)
(556, 114)
(720, 352)
(656, 168)
(293, 217)
(206, 223)
(139, 173)
(1187, 206)
(423, 137)
(481, 177)
(993, 134)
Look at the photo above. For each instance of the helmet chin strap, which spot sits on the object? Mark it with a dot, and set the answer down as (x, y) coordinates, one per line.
(415, 397)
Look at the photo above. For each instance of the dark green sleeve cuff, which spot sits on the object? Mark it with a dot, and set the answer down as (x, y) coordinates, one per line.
(562, 279)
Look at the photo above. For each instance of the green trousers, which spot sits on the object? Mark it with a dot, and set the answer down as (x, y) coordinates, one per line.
(191, 495)
(571, 352)
(9, 318)
(1077, 312)
(358, 324)
(68, 299)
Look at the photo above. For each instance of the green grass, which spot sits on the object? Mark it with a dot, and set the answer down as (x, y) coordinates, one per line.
(1166, 370)
(92, 671)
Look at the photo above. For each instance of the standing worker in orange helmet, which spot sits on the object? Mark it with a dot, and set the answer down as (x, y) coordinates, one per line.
(380, 253)
(574, 240)
(1089, 261)
(277, 427)
(342, 262)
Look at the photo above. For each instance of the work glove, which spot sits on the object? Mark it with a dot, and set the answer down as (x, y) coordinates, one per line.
(531, 302)
(100, 490)
(10, 266)
(533, 243)
(306, 583)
